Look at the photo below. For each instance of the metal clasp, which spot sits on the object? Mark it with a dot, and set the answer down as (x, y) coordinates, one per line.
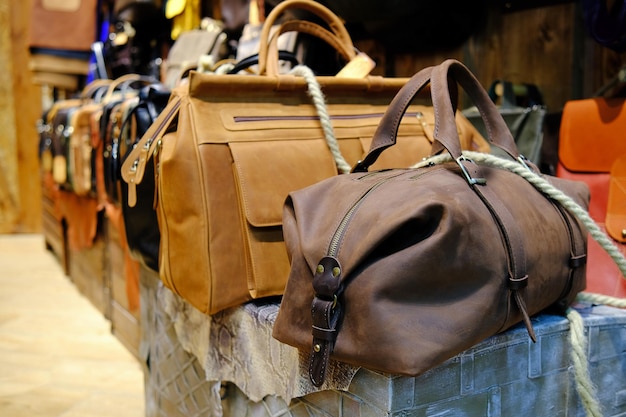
(471, 180)
(522, 159)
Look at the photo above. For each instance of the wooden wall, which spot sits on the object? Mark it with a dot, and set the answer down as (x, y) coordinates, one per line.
(20, 107)
(545, 45)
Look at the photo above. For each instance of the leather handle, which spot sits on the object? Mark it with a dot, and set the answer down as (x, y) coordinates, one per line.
(91, 89)
(444, 98)
(347, 52)
(125, 81)
(387, 130)
(445, 132)
(332, 20)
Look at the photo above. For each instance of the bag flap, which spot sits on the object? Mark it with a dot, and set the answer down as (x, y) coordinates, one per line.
(268, 171)
(616, 209)
(592, 134)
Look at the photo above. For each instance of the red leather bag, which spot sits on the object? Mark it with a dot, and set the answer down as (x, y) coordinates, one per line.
(591, 146)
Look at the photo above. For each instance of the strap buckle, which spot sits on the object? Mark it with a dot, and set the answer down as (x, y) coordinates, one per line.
(471, 180)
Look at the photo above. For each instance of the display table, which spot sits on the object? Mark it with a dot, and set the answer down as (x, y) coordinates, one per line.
(229, 365)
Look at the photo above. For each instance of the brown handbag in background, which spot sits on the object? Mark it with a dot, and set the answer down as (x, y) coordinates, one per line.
(591, 142)
(68, 25)
(399, 270)
(229, 148)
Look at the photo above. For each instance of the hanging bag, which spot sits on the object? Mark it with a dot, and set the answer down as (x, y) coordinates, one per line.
(399, 270)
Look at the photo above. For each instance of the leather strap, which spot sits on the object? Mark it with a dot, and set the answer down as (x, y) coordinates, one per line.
(326, 313)
(578, 254)
(511, 236)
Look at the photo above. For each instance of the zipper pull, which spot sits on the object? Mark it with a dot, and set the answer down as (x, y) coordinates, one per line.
(132, 186)
(140, 163)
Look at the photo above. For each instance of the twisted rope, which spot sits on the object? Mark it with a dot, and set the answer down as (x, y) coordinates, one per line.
(584, 385)
(601, 299)
(315, 92)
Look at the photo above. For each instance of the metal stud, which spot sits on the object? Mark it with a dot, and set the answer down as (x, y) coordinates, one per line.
(336, 271)
(320, 269)
(317, 348)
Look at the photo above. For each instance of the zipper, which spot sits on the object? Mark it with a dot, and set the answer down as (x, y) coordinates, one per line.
(335, 242)
(147, 147)
(246, 119)
(135, 172)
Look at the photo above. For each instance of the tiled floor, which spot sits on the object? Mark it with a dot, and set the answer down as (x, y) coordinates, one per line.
(58, 357)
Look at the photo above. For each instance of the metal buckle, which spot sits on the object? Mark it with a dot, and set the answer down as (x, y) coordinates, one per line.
(522, 159)
(471, 180)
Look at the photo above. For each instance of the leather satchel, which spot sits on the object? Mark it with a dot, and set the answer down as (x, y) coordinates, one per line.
(399, 270)
(229, 148)
(591, 144)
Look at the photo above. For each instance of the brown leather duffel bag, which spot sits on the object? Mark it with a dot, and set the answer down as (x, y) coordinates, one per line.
(399, 270)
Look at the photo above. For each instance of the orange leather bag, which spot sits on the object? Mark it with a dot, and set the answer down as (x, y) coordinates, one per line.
(592, 148)
(229, 148)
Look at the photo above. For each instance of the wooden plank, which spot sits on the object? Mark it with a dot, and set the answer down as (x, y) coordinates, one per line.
(9, 191)
(533, 45)
(19, 162)
(537, 49)
(28, 100)
(51, 63)
(56, 79)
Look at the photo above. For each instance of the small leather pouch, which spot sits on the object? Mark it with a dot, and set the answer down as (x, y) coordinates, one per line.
(63, 24)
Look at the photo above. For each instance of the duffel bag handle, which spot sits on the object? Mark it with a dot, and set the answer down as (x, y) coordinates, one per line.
(497, 131)
(444, 97)
(347, 52)
(332, 20)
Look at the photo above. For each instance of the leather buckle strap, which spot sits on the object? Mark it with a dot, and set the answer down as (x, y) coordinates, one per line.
(326, 314)
(518, 278)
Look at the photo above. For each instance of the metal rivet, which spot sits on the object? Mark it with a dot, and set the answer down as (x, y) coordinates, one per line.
(336, 271)
(624, 233)
(320, 269)
(317, 348)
